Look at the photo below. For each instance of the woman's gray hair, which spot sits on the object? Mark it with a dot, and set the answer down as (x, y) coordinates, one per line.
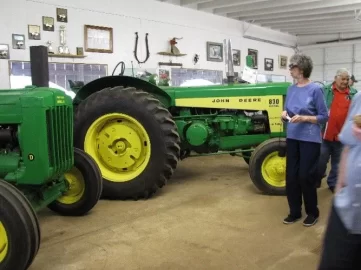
(303, 62)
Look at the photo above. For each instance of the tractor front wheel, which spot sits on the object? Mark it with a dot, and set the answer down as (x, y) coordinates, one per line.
(19, 229)
(267, 169)
(85, 186)
(132, 138)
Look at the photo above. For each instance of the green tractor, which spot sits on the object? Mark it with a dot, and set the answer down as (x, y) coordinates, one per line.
(137, 132)
(39, 168)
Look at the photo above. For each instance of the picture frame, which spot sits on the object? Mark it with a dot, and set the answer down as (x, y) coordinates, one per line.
(214, 51)
(236, 54)
(98, 39)
(268, 64)
(282, 61)
(34, 32)
(18, 41)
(79, 51)
(48, 24)
(4, 51)
(62, 15)
(254, 54)
(164, 77)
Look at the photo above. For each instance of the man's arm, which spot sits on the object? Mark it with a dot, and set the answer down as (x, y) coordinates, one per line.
(326, 90)
(346, 135)
(348, 139)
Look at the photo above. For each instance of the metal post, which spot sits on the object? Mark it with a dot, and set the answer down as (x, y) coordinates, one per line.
(229, 61)
(353, 59)
(324, 65)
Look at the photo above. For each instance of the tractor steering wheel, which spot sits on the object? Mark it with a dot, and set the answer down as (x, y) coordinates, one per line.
(122, 68)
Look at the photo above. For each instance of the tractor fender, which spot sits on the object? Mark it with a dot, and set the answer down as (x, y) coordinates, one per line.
(125, 81)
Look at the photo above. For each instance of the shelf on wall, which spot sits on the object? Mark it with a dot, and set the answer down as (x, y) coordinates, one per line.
(170, 64)
(172, 54)
(66, 55)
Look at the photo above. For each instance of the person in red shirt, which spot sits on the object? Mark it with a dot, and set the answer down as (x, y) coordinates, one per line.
(338, 97)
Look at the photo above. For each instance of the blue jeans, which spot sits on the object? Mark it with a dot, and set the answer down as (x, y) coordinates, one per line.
(330, 150)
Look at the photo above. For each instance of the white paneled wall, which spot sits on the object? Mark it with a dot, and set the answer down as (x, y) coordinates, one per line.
(317, 73)
(328, 58)
(339, 54)
(357, 65)
(317, 56)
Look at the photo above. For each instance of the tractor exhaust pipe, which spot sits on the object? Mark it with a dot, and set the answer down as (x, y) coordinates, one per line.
(229, 60)
(39, 66)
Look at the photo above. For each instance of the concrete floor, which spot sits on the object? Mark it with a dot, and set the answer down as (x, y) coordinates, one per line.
(210, 217)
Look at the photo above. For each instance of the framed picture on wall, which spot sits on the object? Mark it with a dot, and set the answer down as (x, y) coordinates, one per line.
(18, 41)
(62, 15)
(98, 39)
(254, 54)
(48, 23)
(268, 64)
(236, 54)
(214, 52)
(282, 60)
(4, 51)
(34, 32)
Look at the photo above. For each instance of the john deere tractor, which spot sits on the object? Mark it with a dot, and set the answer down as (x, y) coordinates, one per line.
(137, 132)
(39, 167)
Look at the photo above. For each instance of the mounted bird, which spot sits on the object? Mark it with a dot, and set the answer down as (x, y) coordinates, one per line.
(174, 51)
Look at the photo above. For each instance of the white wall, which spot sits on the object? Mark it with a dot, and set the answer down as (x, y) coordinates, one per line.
(329, 57)
(161, 20)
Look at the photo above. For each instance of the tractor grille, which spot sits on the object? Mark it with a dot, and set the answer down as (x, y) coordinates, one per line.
(59, 122)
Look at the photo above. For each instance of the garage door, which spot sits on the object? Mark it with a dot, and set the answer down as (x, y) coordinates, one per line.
(327, 60)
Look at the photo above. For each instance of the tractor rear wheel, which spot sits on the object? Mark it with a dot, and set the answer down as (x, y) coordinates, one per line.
(133, 139)
(85, 187)
(267, 169)
(19, 229)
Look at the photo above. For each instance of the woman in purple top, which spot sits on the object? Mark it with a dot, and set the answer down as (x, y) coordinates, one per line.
(305, 111)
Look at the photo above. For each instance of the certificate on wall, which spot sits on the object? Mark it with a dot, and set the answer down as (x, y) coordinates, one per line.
(98, 39)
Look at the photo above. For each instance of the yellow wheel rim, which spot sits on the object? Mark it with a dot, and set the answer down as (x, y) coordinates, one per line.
(4, 243)
(274, 170)
(76, 185)
(120, 146)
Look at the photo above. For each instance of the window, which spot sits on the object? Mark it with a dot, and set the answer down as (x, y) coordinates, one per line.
(59, 73)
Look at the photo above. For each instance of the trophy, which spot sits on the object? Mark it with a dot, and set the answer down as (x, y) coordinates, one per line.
(63, 49)
(50, 48)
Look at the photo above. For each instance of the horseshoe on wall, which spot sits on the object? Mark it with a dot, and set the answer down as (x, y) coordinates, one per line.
(136, 48)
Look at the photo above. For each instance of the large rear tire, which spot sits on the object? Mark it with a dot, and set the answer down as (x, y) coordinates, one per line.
(133, 139)
(85, 187)
(19, 229)
(267, 169)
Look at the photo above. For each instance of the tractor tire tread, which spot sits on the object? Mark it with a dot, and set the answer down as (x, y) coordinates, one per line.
(93, 187)
(255, 168)
(29, 238)
(166, 125)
